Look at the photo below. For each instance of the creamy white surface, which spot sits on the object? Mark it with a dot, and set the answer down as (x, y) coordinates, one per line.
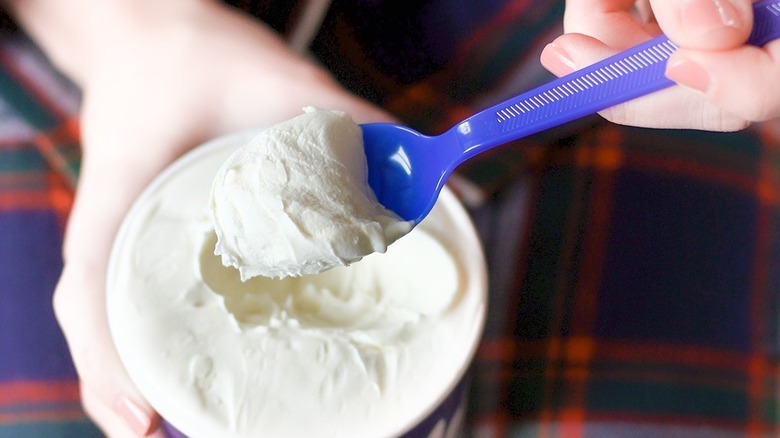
(295, 200)
(364, 350)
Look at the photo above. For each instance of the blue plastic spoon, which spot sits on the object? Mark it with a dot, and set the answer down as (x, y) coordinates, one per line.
(407, 169)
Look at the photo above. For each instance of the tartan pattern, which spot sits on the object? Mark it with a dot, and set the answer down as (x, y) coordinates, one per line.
(634, 272)
(39, 161)
(649, 308)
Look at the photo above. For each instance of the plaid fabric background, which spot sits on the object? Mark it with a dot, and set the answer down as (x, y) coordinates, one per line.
(39, 395)
(634, 273)
(642, 297)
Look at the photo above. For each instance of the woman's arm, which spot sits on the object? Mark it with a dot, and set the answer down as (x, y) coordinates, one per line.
(158, 77)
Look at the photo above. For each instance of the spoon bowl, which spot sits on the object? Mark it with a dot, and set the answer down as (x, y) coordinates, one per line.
(407, 169)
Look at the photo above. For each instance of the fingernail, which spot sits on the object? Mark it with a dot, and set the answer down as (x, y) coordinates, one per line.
(557, 60)
(644, 12)
(704, 16)
(141, 421)
(688, 73)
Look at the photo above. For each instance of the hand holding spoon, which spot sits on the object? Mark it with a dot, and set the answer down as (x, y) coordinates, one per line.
(407, 169)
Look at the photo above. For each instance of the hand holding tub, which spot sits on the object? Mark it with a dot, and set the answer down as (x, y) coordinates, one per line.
(726, 85)
(157, 78)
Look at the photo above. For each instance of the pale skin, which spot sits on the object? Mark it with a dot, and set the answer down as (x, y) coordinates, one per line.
(159, 77)
(726, 85)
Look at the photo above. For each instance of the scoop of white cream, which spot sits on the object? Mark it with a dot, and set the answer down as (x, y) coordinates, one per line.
(295, 200)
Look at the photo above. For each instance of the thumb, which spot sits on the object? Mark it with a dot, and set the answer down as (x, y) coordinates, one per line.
(705, 24)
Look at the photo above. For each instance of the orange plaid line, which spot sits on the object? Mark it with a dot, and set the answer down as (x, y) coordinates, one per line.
(576, 374)
(758, 367)
(638, 352)
(61, 196)
(757, 392)
(42, 415)
(24, 200)
(497, 349)
(56, 196)
(770, 134)
(564, 423)
(34, 392)
(571, 422)
(585, 349)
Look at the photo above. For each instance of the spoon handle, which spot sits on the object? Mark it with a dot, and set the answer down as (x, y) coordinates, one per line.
(627, 75)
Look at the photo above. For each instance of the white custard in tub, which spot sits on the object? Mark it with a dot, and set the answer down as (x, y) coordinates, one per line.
(362, 350)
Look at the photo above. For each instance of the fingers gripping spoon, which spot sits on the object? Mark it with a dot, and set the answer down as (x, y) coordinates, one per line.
(407, 170)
